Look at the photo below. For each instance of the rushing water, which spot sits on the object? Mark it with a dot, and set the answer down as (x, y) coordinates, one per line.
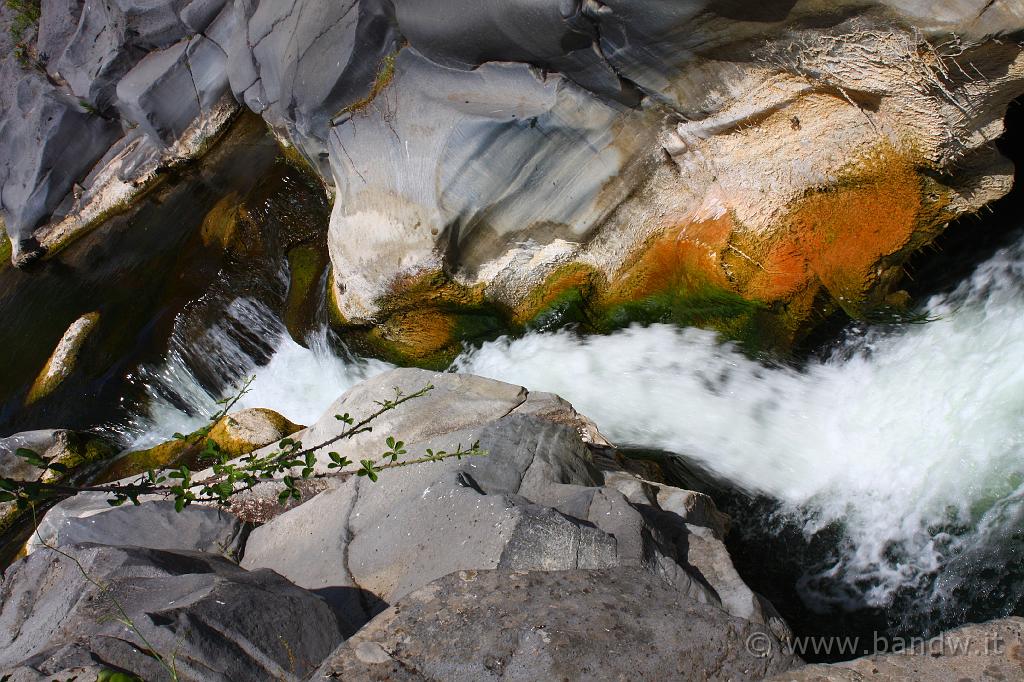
(908, 439)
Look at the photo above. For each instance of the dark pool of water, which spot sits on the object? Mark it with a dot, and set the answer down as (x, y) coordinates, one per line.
(138, 271)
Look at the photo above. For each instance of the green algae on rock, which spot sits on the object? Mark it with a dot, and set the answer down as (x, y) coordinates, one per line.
(64, 358)
(236, 434)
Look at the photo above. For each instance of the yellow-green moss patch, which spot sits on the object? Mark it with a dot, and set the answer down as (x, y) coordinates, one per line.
(64, 358)
(306, 266)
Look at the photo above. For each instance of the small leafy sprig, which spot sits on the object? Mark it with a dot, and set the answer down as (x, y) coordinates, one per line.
(288, 464)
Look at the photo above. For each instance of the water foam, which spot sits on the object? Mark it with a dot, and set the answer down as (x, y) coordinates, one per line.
(299, 382)
(910, 437)
(901, 436)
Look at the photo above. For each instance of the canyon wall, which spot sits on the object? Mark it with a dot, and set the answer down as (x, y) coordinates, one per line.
(747, 168)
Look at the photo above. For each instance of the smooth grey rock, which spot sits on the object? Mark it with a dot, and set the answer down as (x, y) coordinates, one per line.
(48, 141)
(307, 60)
(165, 92)
(491, 157)
(154, 525)
(199, 14)
(111, 38)
(424, 522)
(554, 625)
(58, 21)
(12, 466)
(536, 501)
(987, 651)
(220, 622)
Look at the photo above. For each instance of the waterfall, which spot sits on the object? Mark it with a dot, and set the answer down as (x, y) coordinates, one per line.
(909, 437)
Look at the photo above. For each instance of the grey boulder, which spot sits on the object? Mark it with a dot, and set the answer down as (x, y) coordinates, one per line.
(536, 501)
(87, 518)
(620, 624)
(218, 621)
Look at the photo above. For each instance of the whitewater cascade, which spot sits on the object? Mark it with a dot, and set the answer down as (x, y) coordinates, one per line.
(910, 436)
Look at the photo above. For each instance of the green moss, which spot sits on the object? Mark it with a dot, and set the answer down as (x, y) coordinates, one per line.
(170, 454)
(26, 16)
(306, 265)
(705, 306)
(5, 248)
(294, 157)
(385, 74)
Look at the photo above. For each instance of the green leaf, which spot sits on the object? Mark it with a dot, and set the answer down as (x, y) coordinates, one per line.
(58, 467)
(283, 496)
(8, 497)
(179, 504)
(31, 456)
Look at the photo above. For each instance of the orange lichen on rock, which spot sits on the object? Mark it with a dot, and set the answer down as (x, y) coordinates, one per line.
(418, 334)
(687, 256)
(847, 231)
(571, 281)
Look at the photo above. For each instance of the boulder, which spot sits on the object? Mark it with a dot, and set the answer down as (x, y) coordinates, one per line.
(217, 621)
(237, 434)
(536, 501)
(73, 450)
(64, 358)
(86, 518)
(610, 624)
(501, 164)
(48, 142)
(168, 89)
(988, 651)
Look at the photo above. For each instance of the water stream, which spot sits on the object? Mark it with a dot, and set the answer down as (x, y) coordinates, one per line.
(904, 447)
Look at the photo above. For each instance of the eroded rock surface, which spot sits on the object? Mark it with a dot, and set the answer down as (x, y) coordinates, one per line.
(743, 167)
(552, 625)
(220, 621)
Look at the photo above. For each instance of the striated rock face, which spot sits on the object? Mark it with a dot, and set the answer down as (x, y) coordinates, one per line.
(745, 167)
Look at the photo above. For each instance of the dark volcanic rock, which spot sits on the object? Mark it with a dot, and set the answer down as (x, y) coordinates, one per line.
(154, 525)
(220, 621)
(534, 502)
(621, 624)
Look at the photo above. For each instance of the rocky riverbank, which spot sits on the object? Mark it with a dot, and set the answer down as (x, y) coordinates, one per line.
(552, 556)
(747, 169)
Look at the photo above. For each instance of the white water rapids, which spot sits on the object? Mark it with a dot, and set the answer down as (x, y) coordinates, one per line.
(910, 437)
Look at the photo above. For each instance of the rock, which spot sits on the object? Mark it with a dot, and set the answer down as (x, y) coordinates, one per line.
(237, 434)
(543, 625)
(218, 621)
(86, 518)
(534, 502)
(166, 91)
(74, 451)
(62, 361)
(48, 142)
(989, 651)
(498, 165)
(246, 430)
